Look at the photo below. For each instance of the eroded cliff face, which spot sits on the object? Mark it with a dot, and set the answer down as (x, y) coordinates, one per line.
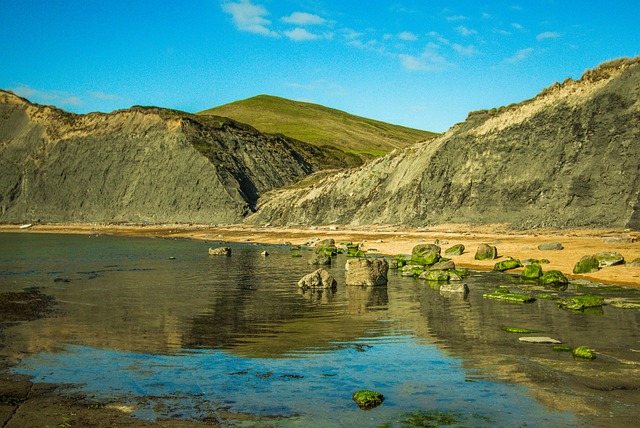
(136, 165)
(568, 158)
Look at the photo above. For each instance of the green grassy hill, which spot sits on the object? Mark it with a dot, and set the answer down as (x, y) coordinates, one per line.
(320, 126)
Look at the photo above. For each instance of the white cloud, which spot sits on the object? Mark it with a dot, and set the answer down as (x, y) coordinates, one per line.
(303, 18)
(547, 35)
(466, 31)
(464, 50)
(521, 55)
(300, 34)
(428, 60)
(408, 36)
(59, 98)
(249, 17)
(517, 26)
(457, 18)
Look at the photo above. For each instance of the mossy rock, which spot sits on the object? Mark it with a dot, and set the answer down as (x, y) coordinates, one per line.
(546, 296)
(507, 264)
(425, 254)
(367, 400)
(486, 252)
(562, 348)
(507, 296)
(609, 258)
(518, 330)
(532, 272)
(462, 273)
(584, 352)
(296, 255)
(582, 302)
(326, 246)
(431, 418)
(436, 275)
(554, 279)
(586, 264)
(456, 250)
(412, 270)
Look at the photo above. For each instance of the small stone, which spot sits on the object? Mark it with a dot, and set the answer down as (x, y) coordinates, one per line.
(454, 288)
(550, 246)
(539, 339)
(486, 252)
(456, 250)
(220, 251)
(507, 264)
(584, 352)
(366, 399)
(318, 279)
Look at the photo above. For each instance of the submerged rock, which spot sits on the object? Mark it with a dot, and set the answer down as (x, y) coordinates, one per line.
(507, 296)
(425, 254)
(486, 252)
(539, 339)
(220, 251)
(582, 302)
(366, 399)
(456, 250)
(436, 275)
(320, 259)
(586, 264)
(367, 271)
(326, 246)
(454, 288)
(318, 279)
(584, 352)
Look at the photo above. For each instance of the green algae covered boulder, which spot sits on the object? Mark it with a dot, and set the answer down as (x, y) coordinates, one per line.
(366, 399)
(486, 252)
(582, 302)
(586, 264)
(425, 254)
(609, 258)
(507, 264)
(436, 275)
(456, 250)
(554, 278)
(532, 272)
(584, 352)
(507, 296)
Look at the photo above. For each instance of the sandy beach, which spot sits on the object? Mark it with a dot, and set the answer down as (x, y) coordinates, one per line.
(392, 240)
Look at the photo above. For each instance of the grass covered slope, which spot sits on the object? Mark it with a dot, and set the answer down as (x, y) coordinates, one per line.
(320, 126)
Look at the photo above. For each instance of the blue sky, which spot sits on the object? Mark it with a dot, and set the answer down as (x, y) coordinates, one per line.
(423, 64)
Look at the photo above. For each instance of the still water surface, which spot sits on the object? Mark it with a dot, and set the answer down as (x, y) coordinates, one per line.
(162, 326)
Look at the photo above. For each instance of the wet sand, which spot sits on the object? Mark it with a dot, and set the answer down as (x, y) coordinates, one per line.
(392, 240)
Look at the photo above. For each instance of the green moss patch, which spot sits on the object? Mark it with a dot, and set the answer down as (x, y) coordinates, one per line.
(580, 303)
(584, 352)
(430, 418)
(507, 265)
(507, 296)
(366, 399)
(519, 330)
(562, 348)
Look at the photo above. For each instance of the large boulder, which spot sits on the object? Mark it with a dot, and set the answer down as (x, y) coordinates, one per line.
(318, 279)
(326, 246)
(320, 259)
(425, 254)
(367, 271)
(509, 263)
(532, 272)
(486, 252)
(554, 278)
(609, 258)
(443, 265)
(586, 264)
(220, 251)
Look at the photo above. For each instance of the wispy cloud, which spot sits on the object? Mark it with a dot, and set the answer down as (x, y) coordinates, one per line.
(429, 60)
(521, 55)
(466, 31)
(408, 36)
(517, 26)
(303, 18)
(457, 18)
(464, 50)
(59, 98)
(548, 35)
(300, 34)
(103, 96)
(249, 17)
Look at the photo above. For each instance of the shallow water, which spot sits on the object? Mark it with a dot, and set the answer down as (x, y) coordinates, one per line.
(161, 325)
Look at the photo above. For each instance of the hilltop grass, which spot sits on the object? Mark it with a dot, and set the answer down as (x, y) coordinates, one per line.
(320, 126)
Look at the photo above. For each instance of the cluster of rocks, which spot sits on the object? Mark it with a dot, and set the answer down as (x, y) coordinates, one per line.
(595, 262)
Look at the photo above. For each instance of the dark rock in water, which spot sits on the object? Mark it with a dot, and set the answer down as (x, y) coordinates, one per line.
(367, 271)
(532, 271)
(320, 259)
(443, 265)
(220, 251)
(486, 252)
(425, 254)
(554, 279)
(393, 264)
(550, 246)
(609, 258)
(367, 400)
(586, 264)
(318, 279)
(456, 250)
(509, 263)
(507, 296)
(634, 263)
(264, 253)
(454, 288)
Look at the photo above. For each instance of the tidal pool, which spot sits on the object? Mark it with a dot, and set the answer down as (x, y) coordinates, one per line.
(164, 328)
